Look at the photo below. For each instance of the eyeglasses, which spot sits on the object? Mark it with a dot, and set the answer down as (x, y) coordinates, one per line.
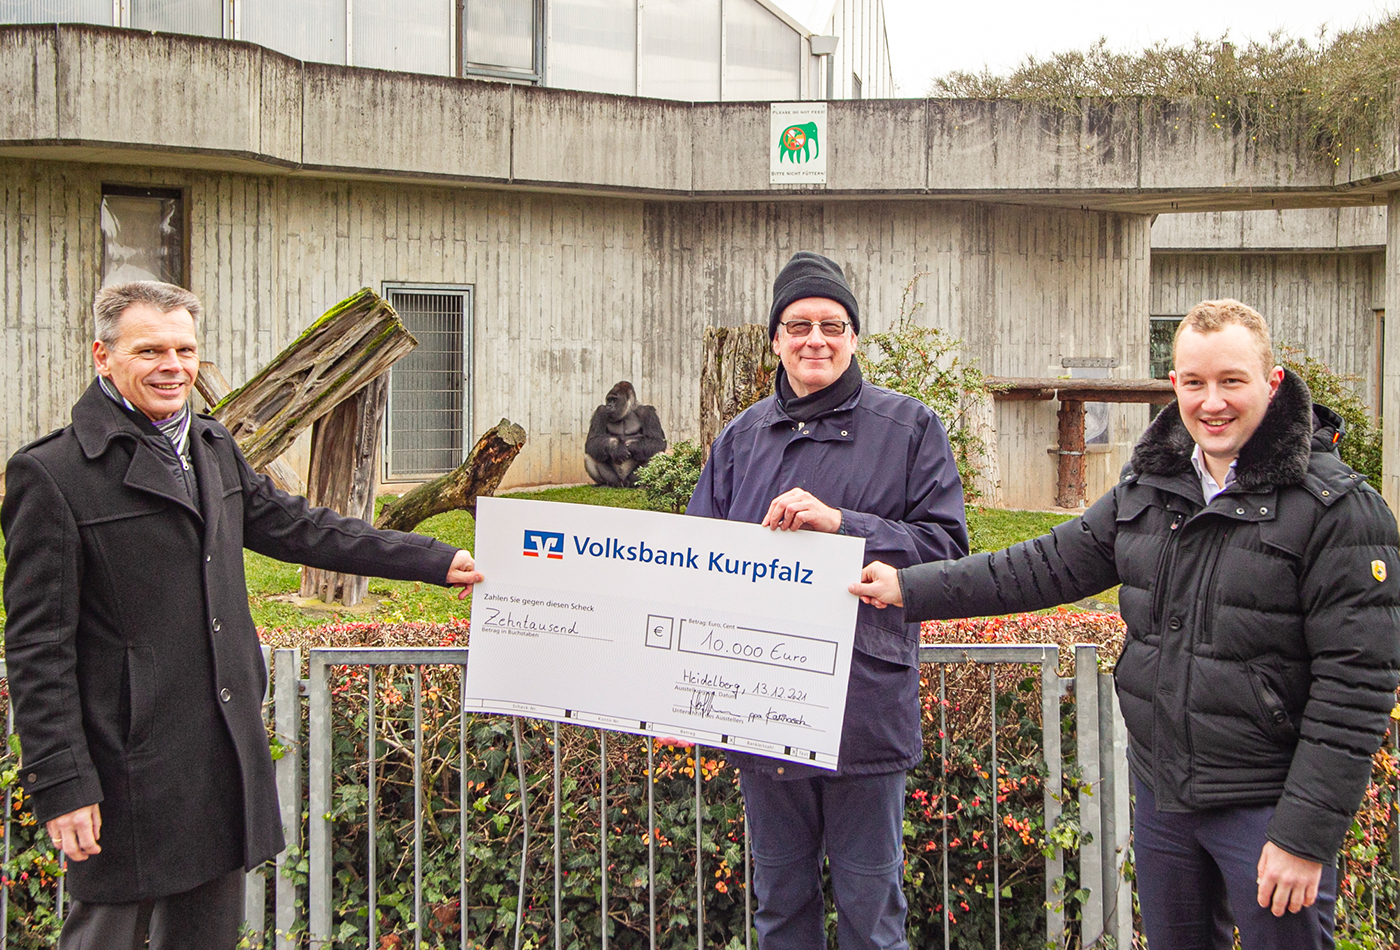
(802, 328)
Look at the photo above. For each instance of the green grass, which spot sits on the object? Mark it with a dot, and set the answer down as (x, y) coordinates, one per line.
(271, 584)
(991, 529)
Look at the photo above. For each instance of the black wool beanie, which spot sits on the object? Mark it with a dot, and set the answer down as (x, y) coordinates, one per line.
(811, 275)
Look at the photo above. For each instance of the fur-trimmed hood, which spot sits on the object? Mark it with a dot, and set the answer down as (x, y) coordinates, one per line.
(1277, 453)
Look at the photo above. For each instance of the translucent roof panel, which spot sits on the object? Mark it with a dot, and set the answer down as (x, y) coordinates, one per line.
(501, 34)
(763, 55)
(407, 35)
(311, 30)
(56, 11)
(593, 45)
(197, 17)
(681, 49)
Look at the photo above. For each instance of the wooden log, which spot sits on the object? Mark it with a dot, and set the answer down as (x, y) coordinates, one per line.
(739, 364)
(1063, 383)
(1094, 394)
(1023, 395)
(479, 474)
(1010, 389)
(213, 387)
(351, 344)
(344, 475)
(1069, 491)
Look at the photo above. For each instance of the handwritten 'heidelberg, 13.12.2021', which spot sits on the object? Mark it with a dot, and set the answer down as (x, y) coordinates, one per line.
(727, 634)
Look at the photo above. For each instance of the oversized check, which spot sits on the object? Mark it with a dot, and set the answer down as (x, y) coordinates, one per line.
(723, 633)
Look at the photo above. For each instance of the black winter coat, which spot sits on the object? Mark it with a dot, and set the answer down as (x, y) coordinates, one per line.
(1263, 637)
(134, 666)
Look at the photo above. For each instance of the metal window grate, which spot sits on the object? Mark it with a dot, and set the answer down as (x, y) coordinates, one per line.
(427, 415)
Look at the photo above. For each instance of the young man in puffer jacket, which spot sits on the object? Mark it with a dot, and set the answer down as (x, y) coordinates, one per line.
(1260, 591)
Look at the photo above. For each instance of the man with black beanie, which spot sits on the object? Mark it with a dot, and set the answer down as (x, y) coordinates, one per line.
(829, 452)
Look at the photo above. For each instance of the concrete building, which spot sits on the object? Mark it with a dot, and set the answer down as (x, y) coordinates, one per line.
(546, 243)
(1319, 275)
(698, 50)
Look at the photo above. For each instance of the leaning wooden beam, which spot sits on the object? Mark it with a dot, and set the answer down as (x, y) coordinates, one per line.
(478, 475)
(351, 344)
(344, 473)
(213, 386)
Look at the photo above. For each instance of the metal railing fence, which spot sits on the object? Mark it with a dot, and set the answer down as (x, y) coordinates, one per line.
(313, 897)
(1095, 861)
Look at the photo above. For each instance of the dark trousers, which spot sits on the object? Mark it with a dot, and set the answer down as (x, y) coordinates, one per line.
(1197, 880)
(857, 824)
(207, 917)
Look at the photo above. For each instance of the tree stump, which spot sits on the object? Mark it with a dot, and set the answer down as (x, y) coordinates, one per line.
(979, 418)
(351, 344)
(479, 474)
(739, 364)
(344, 475)
(213, 387)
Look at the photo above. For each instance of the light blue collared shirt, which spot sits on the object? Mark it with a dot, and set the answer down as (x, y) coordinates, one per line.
(1208, 486)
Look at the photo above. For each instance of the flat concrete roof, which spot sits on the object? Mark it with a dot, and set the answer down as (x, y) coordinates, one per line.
(103, 94)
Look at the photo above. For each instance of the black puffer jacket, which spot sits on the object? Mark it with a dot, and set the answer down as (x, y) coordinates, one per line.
(1263, 629)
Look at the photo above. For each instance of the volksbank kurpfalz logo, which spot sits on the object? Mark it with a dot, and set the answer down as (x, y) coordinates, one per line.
(548, 543)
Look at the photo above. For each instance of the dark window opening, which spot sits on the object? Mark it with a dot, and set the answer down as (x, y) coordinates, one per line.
(1159, 349)
(143, 235)
(1160, 345)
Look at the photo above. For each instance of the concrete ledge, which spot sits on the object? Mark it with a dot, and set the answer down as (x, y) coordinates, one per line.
(28, 73)
(86, 93)
(370, 120)
(594, 140)
(1311, 229)
(980, 144)
(165, 91)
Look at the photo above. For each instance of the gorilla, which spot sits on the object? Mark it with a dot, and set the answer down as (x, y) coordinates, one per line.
(621, 438)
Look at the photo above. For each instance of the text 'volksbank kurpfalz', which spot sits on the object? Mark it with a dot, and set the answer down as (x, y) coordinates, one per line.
(552, 543)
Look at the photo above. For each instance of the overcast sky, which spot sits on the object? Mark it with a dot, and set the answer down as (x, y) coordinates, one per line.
(928, 38)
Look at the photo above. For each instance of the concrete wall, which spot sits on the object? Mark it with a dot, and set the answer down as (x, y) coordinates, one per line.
(574, 293)
(602, 234)
(102, 94)
(1324, 303)
(1297, 229)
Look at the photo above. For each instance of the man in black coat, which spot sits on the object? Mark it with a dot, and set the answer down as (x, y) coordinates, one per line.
(1262, 602)
(134, 666)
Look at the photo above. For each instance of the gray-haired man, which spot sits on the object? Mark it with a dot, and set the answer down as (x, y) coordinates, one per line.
(134, 666)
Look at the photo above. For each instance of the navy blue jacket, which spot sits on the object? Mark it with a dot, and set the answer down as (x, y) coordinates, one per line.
(883, 459)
